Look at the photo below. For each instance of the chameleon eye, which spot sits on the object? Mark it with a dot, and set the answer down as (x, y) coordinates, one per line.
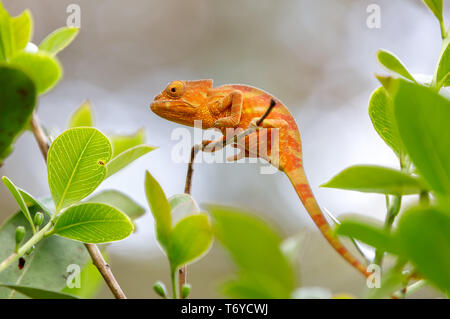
(175, 89)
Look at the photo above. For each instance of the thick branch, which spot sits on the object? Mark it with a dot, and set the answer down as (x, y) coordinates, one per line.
(94, 252)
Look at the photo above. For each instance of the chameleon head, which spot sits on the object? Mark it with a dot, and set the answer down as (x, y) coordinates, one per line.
(182, 101)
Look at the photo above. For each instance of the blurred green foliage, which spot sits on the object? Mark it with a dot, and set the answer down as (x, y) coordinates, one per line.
(25, 72)
(77, 163)
(264, 271)
(184, 233)
(413, 120)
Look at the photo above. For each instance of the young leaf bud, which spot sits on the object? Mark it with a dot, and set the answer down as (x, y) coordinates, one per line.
(185, 291)
(160, 289)
(20, 234)
(38, 219)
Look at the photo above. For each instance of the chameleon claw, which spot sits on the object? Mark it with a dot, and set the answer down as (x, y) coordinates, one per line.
(253, 123)
(236, 157)
(219, 123)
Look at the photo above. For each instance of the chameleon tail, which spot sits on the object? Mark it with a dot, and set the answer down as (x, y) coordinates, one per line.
(298, 179)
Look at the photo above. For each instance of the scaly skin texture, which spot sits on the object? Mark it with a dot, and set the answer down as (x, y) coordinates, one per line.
(238, 107)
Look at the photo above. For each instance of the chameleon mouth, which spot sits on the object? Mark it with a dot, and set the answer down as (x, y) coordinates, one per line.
(167, 107)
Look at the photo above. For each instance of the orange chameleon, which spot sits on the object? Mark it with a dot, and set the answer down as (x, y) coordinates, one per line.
(239, 107)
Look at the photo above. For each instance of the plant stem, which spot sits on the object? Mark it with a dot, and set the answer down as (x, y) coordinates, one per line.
(40, 136)
(173, 275)
(393, 209)
(22, 250)
(424, 198)
(411, 289)
(443, 31)
(94, 252)
(435, 84)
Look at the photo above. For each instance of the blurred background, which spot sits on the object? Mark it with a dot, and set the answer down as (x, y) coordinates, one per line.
(318, 57)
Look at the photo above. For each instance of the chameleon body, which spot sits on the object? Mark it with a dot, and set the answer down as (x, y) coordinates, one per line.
(239, 107)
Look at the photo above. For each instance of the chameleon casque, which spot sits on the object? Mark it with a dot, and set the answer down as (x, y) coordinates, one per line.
(239, 107)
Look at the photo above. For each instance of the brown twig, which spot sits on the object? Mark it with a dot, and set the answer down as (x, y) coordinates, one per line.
(266, 114)
(182, 272)
(187, 188)
(105, 270)
(40, 136)
(94, 251)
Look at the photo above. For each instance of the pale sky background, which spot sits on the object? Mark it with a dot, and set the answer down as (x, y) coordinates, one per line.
(318, 57)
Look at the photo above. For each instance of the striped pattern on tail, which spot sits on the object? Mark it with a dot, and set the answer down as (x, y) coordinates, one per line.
(301, 185)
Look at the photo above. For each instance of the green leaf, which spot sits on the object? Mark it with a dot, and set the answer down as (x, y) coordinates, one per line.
(42, 68)
(435, 7)
(189, 240)
(393, 63)
(255, 248)
(22, 28)
(179, 200)
(41, 204)
(120, 201)
(160, 208)
(127, 157)
(58, 40)
(254, 286)
(422, 121)
(424, 236)
(19, 199)
(46, 268)
(83, 116)
(76, 164)
(121, 143)
(443, 71)
(93, 223)
(376, 179)
(17, 101)
(182, 205)
(39, 293)
(6, 35)
(381, 111)
(370, 234)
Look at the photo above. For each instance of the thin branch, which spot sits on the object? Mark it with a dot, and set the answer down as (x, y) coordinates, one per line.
(266, 114)
(40, 136)
(187, 188)
(94, 252)
(105, 270)
(182, 272)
